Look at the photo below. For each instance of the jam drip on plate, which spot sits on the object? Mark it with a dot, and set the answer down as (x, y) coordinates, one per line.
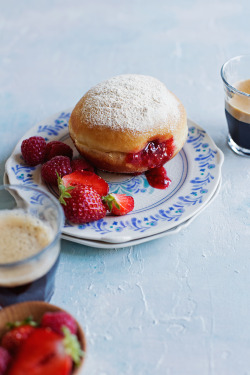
(157, 178)
(153, 156)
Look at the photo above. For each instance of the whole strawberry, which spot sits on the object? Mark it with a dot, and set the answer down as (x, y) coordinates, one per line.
(82, 205)
(13, 339)
(33, 150)
(47, 353)
(58, 164)
(56, 148)
(5, 359)
(57, 320)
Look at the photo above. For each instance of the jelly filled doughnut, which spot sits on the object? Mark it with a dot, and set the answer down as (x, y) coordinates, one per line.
(128, 124)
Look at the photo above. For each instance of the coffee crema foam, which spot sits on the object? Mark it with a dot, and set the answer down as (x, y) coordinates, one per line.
(23, 236)
(239, 105)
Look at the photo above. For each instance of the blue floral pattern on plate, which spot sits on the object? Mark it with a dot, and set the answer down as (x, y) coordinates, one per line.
(195, 173)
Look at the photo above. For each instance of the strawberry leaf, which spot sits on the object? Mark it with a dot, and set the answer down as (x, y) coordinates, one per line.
(110, 200)
(28, 321)
(63, 190)
(72, 346)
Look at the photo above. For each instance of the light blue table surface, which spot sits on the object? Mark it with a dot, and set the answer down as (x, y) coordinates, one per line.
(178, 305)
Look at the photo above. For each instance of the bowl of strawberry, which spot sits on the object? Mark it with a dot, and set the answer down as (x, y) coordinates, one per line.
(40, 338)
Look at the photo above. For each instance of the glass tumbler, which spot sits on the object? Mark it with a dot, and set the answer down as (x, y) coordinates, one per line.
(31, 221)
(235, 74)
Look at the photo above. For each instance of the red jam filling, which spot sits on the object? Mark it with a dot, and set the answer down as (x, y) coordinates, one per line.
(157, 178)
(153, 155)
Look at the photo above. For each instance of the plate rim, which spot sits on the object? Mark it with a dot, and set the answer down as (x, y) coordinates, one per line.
(175, 230)
(132, 236)
(108, 245)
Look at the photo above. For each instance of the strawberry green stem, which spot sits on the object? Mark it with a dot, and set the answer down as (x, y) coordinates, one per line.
(63, 190)
(28, 321)
(72, 346)
(110, 200)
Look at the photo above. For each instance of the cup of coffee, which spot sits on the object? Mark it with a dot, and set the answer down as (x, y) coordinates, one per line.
(31, 221)
(235, 74)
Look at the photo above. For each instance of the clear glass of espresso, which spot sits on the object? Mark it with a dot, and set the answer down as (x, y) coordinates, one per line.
(31, 221)
(235, 74)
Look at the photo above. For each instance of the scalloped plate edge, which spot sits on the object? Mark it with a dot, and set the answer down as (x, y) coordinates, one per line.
(175, 230)
(108, 238)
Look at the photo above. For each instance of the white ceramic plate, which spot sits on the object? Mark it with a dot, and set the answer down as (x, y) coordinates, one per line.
(107, 245)
(195, 173)
(175, 230)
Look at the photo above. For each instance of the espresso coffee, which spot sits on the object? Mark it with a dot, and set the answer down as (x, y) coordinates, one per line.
(237, 109)
(28, 259)
(21, 236)
(41, 289)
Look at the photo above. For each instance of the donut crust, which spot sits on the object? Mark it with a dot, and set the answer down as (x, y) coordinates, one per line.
(106, 146)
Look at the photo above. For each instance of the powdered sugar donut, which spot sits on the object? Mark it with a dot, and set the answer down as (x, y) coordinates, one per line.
(129, 123)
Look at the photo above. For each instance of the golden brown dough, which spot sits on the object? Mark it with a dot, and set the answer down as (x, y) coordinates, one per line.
(121, 116)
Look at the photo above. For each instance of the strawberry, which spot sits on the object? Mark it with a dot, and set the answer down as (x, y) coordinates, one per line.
(58, 164)
(33, 150)
(82, 205)
(86, 178)
(47, 352)
(81, 164)
(5, 359)
(13, 339)
(119, 204)
(56, 148)
(57, 320)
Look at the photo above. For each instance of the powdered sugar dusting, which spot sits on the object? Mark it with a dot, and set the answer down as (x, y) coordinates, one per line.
(131, 102)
